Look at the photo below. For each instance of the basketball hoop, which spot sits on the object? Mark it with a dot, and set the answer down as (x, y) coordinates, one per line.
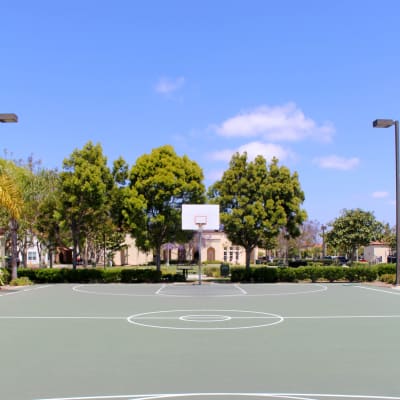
(196, 217)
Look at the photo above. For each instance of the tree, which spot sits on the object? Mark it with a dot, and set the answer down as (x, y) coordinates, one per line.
(352, 229)
(257, 201)
(11, 203)
(389, 237)
(306, 243)
(47, 226)
(85, 185)
(160, 183)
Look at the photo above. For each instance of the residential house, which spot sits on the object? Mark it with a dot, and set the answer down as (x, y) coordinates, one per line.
(376, 252)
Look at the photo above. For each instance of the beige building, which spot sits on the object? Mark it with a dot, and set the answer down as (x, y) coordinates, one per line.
(376, 252)
(215, 246)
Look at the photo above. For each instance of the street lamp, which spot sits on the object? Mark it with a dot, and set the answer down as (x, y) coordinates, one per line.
(386, 123)
(323, 227)
(8, 118)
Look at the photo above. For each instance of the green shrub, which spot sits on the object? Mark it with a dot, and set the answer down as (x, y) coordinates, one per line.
(361, 274)
(286, 274)
(240, 274)
(84, 275)
(383, 269)
(173, 278)
(368, 274)
(28, 272)
(352, 274)
(301, 273)
(140, 275)
(97, 275)
(388, 278)
(315, 273)
(48, 275)
(22, 281)
(264, 274)
(112, 275)
(213, 272)
(4, 276)
(333, 273)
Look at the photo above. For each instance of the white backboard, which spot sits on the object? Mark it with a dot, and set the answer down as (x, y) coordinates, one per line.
(196, 216)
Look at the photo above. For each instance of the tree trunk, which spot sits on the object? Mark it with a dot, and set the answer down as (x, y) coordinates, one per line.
(50, 258)
(14, 248)
(158, 258)
(74, 248)
(248, 255)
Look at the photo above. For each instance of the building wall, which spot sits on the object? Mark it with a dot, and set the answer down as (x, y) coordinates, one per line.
(215, 247)
(131, 255)
(376, 253)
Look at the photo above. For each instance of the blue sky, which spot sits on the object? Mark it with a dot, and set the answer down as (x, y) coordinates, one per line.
(299, 80)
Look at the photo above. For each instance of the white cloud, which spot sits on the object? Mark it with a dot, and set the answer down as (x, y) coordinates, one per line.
(169, 85)
(253, 149)
(380, 195)
(336, 162)
(277, 123)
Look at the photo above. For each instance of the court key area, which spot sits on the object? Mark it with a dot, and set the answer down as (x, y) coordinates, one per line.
(210, 341)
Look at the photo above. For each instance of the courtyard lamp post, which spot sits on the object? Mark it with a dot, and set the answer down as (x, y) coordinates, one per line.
(8, 118)
(386, 123)
(4, 118)
(323, 227)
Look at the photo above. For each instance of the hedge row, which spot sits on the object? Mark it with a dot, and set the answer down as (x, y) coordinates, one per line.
(97, 275)
(331, 274)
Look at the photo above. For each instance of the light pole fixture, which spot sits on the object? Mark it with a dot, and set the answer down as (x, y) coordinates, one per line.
(8, 118)
(323, 227)
(386, 123)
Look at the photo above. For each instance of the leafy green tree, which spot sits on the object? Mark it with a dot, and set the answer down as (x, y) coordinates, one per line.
(11, 204)
(353, 229)
(160, 183)
(85, 185)
(257, 201)
(47, 223)
(389, 237)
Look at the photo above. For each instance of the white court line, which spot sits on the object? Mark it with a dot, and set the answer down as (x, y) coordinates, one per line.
(148, 317)
(25, 290)
(59, 317)
(144, 317)
(344, 316)
(158, 292)
(376, 290)
(241, 289)
(300, 396)
(316, 288)
(300, 317)
(78, 289)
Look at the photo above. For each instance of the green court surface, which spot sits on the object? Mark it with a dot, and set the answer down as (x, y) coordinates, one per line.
(200, 342)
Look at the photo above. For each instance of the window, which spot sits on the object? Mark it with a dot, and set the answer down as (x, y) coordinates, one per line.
(32, 256)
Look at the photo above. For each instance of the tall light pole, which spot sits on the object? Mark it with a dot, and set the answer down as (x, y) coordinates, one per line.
(8, 118)
(3, 119)
(323, 227)
(386, 123)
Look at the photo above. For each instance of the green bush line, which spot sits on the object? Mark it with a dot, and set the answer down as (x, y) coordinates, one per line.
(313, 274)
(97, 275)
(383, 272)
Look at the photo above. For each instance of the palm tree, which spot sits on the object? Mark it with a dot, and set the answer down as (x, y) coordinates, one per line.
(11, 201)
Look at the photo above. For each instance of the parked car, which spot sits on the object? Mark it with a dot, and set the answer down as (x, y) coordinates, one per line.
(391, 259)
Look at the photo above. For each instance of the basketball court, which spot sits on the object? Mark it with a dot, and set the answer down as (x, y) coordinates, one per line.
(209, 341)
